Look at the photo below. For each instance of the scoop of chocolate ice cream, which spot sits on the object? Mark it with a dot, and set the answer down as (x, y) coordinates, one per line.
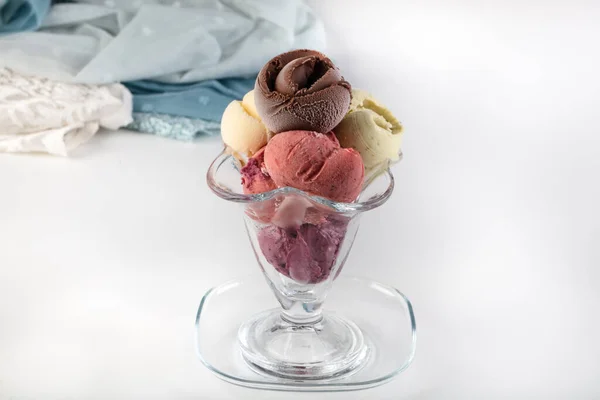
(301, 90)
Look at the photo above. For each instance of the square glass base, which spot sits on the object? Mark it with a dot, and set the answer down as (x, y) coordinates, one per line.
(383, 314)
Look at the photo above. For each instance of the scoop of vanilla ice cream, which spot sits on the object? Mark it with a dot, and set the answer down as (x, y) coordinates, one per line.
(242, 129)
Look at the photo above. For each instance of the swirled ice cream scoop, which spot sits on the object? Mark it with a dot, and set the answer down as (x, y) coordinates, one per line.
(301, 90)
(371, 129)
(315, 163)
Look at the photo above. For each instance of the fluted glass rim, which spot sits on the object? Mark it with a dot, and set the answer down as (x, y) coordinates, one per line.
(225, 193)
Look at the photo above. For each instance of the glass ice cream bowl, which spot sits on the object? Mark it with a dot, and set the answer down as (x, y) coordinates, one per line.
(301, 242)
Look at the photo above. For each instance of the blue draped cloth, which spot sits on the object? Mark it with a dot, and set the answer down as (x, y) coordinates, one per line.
(204, 100)
(22, 15)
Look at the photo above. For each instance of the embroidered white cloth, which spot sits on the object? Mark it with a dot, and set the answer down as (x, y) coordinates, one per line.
(41, 115)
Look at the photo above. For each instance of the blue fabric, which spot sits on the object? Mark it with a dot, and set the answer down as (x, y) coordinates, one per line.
(205, 100)
(22, 15)
(174, 41)
(180, 128)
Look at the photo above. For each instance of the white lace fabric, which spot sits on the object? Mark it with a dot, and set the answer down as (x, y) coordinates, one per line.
(41, 115)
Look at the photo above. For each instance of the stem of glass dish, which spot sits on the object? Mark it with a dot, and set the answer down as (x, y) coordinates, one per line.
(301, 313)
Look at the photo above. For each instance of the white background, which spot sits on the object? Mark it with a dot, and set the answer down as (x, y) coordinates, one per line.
(493, 231)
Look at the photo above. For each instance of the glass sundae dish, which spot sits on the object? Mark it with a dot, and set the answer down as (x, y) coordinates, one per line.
(305, 156)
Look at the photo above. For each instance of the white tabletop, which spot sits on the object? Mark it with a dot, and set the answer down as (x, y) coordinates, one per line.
(492, 231)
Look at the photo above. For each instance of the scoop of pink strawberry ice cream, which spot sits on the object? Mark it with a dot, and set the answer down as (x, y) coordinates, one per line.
(315, 163)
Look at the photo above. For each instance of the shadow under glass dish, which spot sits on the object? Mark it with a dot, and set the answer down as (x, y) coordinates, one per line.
(301, 243)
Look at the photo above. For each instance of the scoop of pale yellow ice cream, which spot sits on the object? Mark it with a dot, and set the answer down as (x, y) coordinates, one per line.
(249, 105)
(372, 130)
(242, 129)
